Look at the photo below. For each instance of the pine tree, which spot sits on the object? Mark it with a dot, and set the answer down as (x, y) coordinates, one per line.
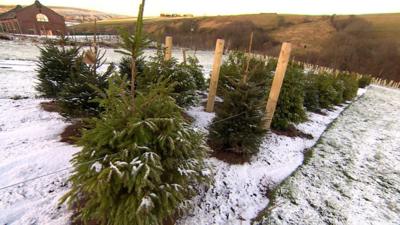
(137, 168)
(194, 69)
(322, 91)
(83, 86)
(54, 68)
(141, 161)
(364, 81)
(237, 125)
(178, 75)
(290, 106)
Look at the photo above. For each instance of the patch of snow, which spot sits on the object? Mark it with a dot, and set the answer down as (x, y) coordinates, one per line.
(29, 148)
(239, 191)
(353, 176)
(97, 167)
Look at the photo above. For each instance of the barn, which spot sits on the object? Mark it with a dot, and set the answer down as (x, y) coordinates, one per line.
(33, 19)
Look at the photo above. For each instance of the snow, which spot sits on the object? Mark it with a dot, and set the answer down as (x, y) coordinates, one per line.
(353, 176)
(20, 51)
(30, 147)
(96, 167)
(239, 191)
(29, 141)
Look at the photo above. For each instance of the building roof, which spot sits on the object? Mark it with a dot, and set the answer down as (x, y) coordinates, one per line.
(10, 14)
(13, 12)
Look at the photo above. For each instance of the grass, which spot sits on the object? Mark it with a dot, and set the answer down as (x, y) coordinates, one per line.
(303, 31)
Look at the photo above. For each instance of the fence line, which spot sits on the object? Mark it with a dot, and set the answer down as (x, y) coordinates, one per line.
(88, 162)
(321, 69)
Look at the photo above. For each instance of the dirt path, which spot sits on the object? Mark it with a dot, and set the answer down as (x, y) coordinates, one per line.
(353, 176)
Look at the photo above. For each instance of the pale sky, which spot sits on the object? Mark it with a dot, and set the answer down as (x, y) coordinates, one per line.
(223, 7)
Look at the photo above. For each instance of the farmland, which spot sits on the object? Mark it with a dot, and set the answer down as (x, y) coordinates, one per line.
(299, 29)
(241, 189)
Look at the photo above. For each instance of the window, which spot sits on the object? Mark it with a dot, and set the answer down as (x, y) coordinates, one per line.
(42, 18)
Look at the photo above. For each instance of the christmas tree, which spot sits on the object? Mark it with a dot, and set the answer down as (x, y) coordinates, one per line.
(290, 106)
(137, 168)
(83, 86)
(141, 162)
(237, 125)
(54, 68)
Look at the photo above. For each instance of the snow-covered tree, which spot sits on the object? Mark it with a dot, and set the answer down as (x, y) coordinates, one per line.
(137, 167)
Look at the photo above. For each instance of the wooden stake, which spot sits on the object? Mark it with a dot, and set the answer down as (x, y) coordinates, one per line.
(246, 73)
(277, 84)
(168, 48)
(219, 50)
(95, 47)
(184, 55)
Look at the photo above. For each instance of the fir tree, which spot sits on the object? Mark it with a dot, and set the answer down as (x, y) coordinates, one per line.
(178, 75)
(77, 97)
(141, 161)
(194, 69)
(322, 91)
(350, 86)
(290, 106)
(364, 81)
(54, 68)
(237, 125)
(137, 168)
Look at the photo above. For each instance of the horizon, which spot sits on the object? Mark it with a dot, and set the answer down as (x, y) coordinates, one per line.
(156, 7)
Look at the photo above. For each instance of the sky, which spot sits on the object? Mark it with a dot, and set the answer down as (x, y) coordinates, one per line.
(226, 7)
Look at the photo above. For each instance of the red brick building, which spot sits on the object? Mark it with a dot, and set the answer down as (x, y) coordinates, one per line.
(33, 19)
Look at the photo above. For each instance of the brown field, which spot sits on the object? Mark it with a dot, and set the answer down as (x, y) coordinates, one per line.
(301, 30)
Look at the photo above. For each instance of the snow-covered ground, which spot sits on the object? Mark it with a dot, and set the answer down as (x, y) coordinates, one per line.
(354, 175)
(239, 191)
(23, 50)
(29, 141)
(30, 147)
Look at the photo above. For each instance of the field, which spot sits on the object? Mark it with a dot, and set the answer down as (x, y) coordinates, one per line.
(30, 147)
(301, 30)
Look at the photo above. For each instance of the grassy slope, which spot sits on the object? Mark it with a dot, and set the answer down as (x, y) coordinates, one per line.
(301, 30)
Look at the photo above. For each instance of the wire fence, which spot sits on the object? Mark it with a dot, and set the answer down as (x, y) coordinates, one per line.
(91, 161)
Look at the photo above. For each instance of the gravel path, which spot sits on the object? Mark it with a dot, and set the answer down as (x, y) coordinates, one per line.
(353, 176)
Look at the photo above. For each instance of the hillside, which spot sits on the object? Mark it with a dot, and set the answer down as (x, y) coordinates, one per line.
(366, 44)
(301, 30)
(73, 14)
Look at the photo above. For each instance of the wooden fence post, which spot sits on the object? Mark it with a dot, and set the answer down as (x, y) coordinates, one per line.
(184, 55)
(277, 84)
(168, 48)
(246, 72)
(219, 50)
